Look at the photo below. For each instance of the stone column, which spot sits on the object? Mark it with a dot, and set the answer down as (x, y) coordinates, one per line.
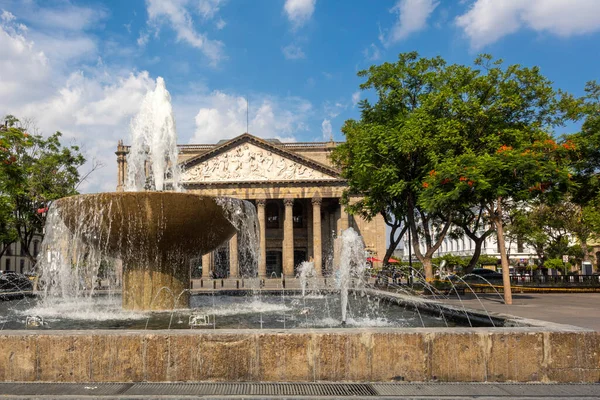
(234, 267)
(121, 160)
(262, 261)
(288, 238)
(316, 219)
(309, 230)
(206, 266)
(344, 223)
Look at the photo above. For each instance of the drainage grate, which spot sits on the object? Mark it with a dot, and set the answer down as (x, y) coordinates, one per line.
(438, 389)
(257, 389)
(425, 390)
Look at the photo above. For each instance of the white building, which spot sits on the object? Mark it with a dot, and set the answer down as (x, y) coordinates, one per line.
(14, 258)
(464, 247)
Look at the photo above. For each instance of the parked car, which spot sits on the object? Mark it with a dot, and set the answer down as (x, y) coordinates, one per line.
(485, 273)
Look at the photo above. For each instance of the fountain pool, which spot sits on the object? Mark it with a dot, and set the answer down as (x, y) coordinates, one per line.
(275, 310)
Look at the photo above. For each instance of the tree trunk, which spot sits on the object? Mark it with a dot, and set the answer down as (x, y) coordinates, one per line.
(584, 249)
(475, 257)
(428, 269)
(503, 257)
(394, 241)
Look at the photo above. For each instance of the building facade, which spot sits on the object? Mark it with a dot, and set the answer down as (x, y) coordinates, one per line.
(518, 253)
(14, 258)
(296, 191)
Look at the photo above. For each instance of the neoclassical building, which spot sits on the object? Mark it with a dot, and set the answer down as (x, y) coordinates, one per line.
(295, 189)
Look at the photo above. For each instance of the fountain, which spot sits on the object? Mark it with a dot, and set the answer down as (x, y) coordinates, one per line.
(153, 232)
(153, 229)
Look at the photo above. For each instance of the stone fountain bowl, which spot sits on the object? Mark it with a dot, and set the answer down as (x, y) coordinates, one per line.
(154, 233)
(153, 223)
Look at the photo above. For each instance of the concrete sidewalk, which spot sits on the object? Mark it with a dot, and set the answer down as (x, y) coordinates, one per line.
(284, 390)
(578, 309)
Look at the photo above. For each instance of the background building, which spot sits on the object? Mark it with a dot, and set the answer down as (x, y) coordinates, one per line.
(14, 258)
(518, 253)
(295, 189)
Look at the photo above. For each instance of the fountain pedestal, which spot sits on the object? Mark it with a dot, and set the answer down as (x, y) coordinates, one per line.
(156, 234)
(156, 285)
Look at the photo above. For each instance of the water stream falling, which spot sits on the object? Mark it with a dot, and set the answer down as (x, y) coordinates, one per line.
(352, 266)
(153, 153)
(307, 275)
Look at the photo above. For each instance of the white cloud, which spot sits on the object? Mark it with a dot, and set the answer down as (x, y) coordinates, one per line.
(299, 11)
(24, 68)
(209, 8)
(91, 108)
(355, 98)
(326, 129)
(92, 113)
(335, 109)
(67, 17)
(220, 24)
(223, 116)
(142, 40)
(293, 52)
(175, 14)
(488, 20)
(7, 16)
(66, 47)
(412, 17)
(92, 102)
(372, 53)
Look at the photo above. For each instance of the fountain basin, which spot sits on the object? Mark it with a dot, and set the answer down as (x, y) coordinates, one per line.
(546, 354)
(154, 233)
(532, 351)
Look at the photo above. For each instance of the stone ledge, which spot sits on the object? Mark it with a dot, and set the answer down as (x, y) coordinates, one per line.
(550, 354)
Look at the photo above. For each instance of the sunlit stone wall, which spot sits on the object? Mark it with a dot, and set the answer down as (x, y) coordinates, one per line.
(455, 354)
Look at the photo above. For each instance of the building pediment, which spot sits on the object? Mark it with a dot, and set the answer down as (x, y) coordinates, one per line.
(249, 159)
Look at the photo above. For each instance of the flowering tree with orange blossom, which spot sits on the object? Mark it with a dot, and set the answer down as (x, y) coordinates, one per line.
(442, 140)
(506, 118)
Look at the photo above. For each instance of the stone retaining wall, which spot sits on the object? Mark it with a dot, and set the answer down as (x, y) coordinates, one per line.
(375, 355)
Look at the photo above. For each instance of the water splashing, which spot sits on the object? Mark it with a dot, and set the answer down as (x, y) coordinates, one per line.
(307, 274)
(242, 215)
(153, 153)
(352, 266)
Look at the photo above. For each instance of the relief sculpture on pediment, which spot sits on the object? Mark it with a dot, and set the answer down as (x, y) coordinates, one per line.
(249, 163)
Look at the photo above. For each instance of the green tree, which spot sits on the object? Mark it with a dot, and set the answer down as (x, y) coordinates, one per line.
(585, 194)
(503, 117)
(34, 171)
(474, 223)
(388, 152)
(551, 228)
(586, 160)
(557, 264)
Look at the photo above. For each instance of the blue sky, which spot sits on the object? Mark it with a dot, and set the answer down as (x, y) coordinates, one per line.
(83, 67)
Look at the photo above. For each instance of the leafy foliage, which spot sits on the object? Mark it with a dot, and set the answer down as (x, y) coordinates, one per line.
(558, 264)
(444, 139)
(34, 171)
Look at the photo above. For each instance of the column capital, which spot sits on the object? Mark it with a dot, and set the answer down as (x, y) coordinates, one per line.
(261, 202)
(288, 202)
(317, 200)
